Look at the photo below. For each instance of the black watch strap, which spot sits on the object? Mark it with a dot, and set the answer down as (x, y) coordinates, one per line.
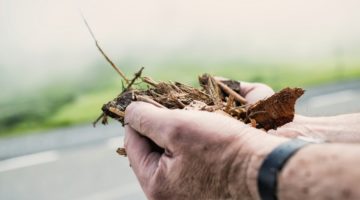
(272, 165)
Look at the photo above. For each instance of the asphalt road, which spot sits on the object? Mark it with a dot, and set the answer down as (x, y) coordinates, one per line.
(80, 163)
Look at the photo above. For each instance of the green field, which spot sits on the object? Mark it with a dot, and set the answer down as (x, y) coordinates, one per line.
(80, 102)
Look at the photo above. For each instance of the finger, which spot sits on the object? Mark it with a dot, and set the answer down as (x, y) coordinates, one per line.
(149, 121)
(139, 151)
(254, 92)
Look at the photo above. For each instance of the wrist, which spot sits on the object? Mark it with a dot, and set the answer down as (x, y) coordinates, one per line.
(251, 151)
(314, 127)
(264, 146)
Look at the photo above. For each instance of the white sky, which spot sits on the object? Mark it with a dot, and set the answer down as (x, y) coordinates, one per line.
(41, 39)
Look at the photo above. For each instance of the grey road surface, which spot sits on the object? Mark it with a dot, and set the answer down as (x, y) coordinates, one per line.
(80, 163)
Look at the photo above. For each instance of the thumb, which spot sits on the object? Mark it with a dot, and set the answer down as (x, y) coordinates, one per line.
(150, 121)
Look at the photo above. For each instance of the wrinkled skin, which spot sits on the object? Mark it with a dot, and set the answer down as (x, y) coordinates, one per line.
(201, 156)
(198, 156)
(205, 155)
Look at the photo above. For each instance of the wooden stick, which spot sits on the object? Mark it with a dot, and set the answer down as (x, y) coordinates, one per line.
(149, 81)
(229, 103)
(180, 103)
(97, 119)
(229, 91)
(104, 120)
(136, 76)
(103, 53)
(117, 111)
(214, 90)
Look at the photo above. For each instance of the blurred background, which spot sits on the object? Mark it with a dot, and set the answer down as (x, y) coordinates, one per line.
(53, 80)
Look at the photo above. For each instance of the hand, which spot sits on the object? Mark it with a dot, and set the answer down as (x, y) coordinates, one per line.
(178, 154)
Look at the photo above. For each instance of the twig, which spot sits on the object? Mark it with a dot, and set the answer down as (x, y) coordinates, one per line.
(177, 101)
(230, 91)
(173, 85)
(149, 81)
(103, 53)
(97, 119)
(229, 103)
(117, 111)
(213, 90)
(104, 120)
(136, 76)
(253, 123)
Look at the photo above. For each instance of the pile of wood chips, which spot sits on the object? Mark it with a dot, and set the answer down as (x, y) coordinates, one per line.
(222, 96)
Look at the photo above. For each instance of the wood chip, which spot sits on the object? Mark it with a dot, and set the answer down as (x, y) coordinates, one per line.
(229, 91)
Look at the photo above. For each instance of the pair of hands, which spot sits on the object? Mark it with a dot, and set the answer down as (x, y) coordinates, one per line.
(178, 154)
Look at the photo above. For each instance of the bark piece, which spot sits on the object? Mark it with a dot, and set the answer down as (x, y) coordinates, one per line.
(276, 110)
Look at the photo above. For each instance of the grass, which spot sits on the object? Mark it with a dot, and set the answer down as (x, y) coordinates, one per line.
(85, 108)
(84, 105)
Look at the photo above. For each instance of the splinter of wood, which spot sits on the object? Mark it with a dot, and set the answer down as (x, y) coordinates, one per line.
(136, 76)
(229, 103)
(117, 111)
(121, 152)
(97, 119)
(229, 91)
(149, 81)
(103, 53)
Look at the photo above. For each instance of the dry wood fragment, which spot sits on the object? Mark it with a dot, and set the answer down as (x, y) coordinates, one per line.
(121, 151)
(149, 81)
(117, 111)
(97, 119)
(229, 103)
(229, 91)
(253, 123)
(276, 110)
(103, 53)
